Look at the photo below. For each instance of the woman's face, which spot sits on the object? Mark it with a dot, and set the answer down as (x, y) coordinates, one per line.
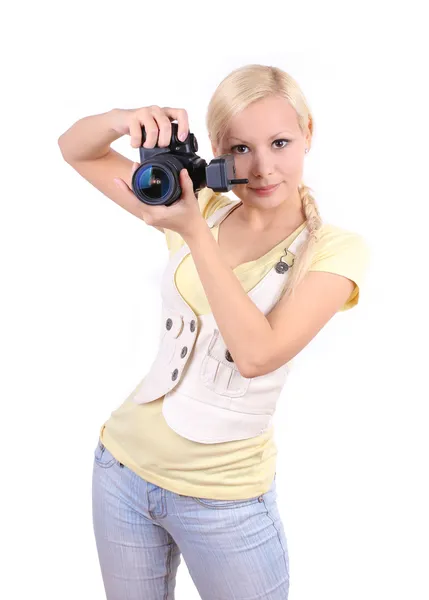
(268, 148)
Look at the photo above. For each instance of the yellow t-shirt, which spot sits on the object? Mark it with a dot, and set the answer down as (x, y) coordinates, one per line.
(137, 434)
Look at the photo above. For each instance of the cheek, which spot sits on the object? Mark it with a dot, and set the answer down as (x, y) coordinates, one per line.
(291, 165)
(242, 164)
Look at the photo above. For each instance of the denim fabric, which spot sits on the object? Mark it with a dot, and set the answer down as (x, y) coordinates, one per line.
(233, 549)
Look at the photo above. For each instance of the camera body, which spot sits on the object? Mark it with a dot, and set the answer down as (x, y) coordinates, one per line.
(156, 181)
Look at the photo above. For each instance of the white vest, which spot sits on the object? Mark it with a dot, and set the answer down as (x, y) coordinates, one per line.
(206, 399)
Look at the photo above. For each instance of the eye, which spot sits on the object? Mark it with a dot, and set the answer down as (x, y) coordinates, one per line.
(238, 149)
(238, 146)
(280, 147)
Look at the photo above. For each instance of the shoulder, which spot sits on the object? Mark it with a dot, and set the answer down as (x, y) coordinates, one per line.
(209, 202)
(338, 240)
(345, 253)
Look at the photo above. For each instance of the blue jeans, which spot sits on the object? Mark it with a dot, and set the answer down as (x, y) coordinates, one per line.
(233, 549)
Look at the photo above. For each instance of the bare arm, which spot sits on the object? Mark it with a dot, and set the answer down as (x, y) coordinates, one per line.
(85, 146)
(89, 138)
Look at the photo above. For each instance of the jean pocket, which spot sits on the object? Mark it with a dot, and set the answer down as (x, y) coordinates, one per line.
(102, 457)
(223, 504)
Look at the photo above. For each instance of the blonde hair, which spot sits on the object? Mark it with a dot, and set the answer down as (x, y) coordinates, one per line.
(238, 90)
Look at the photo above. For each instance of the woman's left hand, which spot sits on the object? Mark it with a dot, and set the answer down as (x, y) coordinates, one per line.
(182, 216)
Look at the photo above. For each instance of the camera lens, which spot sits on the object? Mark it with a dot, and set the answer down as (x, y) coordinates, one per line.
(154, 182)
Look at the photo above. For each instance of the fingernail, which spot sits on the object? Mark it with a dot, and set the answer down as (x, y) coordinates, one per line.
(183, 136)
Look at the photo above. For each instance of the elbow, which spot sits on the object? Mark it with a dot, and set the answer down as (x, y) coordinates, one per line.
(265, 365)
(61, 147)
(250, 371)
(255, 363)
(258, 360)
(247, 372)
(250, 368)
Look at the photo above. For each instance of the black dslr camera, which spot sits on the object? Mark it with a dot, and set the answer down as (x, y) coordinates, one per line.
(156, 180)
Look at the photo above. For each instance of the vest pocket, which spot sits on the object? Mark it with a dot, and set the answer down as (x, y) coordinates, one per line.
(218, 371)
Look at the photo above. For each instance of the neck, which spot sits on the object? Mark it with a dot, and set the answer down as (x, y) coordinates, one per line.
(257, 219)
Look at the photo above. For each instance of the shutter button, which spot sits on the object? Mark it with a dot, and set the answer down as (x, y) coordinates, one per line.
(192, 324)
(228, 356)
(184, 352)
(175, 374)
(169, 324)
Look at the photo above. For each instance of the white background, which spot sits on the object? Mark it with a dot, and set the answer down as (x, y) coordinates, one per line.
(79, 285)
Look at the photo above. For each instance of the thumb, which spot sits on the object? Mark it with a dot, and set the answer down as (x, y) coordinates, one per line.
(187, 181)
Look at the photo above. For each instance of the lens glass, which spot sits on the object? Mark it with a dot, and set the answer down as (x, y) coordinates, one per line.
(153, 182)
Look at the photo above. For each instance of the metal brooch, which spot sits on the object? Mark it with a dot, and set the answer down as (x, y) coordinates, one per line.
(282, 267)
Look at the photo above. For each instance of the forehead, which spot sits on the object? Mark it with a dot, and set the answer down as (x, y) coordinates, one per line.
(264, 118)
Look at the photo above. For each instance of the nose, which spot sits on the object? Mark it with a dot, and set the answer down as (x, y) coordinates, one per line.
(263, 165)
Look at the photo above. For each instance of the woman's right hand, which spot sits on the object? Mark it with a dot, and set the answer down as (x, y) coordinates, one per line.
(156, 121)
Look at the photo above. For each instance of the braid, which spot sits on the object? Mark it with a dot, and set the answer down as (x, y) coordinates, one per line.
(304, 257)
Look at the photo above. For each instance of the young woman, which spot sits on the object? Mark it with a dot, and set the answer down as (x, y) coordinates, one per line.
(186, 465)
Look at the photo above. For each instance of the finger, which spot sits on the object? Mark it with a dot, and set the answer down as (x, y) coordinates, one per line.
(186, 182)
(181, 116)
(164, 126)
(136, 127)
(152, 132)
(122, 185)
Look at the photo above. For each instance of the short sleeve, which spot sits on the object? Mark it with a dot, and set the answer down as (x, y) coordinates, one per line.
(345, 253)
(209, 202)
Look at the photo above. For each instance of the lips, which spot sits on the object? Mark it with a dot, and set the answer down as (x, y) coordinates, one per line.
(269, 187)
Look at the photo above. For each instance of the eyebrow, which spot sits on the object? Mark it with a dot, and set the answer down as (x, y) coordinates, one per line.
(271, 138)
